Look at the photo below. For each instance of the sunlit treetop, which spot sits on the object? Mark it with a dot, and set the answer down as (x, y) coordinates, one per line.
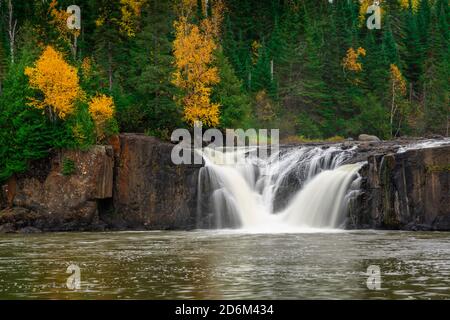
(397, 79)
(101, 108)
(57, 80)
(195, 74)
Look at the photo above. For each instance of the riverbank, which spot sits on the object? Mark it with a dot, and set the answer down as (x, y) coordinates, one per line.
(133, 185)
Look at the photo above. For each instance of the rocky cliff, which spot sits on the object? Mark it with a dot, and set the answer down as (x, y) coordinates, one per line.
(59, 193)
(131, 184)
(150, 192)
(409, 190)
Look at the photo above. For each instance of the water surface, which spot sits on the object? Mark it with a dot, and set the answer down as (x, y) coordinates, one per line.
(226, 265)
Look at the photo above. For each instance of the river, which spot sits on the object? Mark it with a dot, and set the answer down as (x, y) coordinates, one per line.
(226, 265)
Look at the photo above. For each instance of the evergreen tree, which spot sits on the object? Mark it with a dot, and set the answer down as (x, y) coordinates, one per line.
(235, 110)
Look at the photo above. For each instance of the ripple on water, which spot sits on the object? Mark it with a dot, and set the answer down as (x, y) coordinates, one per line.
(226, 264)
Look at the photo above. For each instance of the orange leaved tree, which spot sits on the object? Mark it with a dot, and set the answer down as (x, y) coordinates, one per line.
(101, 109)
(398, 91)
(57, 81)
(195, 74)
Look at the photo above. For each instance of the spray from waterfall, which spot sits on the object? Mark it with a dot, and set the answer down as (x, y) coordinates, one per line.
(303, 188)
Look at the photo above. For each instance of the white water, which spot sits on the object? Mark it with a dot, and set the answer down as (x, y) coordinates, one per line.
(424, 145)
(306, 188)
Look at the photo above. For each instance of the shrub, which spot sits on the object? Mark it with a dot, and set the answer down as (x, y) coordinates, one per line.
(68, 167)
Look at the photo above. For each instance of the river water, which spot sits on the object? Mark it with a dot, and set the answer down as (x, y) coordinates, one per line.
(226, 265)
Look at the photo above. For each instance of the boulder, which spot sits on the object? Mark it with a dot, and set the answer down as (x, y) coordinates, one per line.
(368, 138)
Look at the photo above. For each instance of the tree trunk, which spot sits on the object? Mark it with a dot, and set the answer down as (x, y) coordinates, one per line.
(392, 109)
(75, 47)
(12, 30)
(110, 75)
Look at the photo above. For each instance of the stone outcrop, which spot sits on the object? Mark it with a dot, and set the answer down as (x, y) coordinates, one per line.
(409, 190)
(51, 197)
(150, 192)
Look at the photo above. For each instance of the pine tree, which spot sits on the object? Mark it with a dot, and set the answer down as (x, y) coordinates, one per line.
(229, 93)
(414, 49)
(435, 79)
(152, 107)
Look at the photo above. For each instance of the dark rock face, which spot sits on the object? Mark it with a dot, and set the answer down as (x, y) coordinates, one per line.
(46, 199)
(131, 184)
(150, 192)
(409, 190)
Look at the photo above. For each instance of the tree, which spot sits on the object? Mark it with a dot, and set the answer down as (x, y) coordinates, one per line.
(351, 61)
(131, 11)
(108, 36)
(398, 90)
(57, 81)
(149, 105)
(436, 87)
(59, 21)
(101, 109)
(195, 74)
(235, 103)
(26, 134)
(12, 30)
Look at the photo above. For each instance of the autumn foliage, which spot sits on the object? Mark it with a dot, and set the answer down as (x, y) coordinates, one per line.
(57, 81)
(397, 80)
(398, 91)
(131, 11)
(195, 73)
(101, 109)
(351, 60)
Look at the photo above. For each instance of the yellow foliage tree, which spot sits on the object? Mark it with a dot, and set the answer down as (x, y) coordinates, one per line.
(130, 10)
(255, 51)
(195, 74)
(101, 109)
(351, 62)
(57, 80)
(405, 4)
(398, 90)
(86, 67)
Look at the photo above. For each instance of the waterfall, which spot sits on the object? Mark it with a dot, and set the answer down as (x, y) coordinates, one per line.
(298, 188)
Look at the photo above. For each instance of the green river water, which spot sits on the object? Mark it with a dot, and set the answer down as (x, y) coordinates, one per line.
(226, 265)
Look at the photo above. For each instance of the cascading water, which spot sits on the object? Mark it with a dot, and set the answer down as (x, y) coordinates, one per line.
(307, 188)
